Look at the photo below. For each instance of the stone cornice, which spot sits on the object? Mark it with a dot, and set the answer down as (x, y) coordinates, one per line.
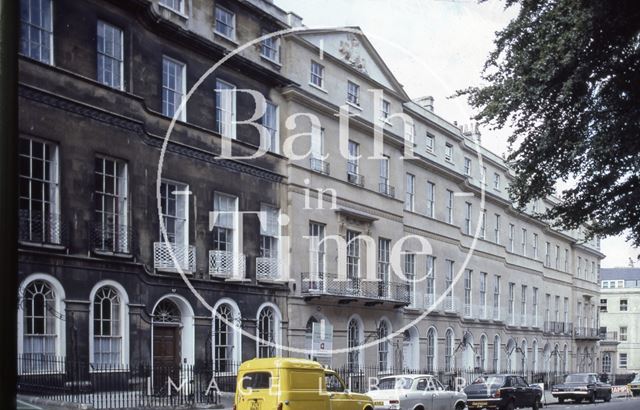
(137, 128)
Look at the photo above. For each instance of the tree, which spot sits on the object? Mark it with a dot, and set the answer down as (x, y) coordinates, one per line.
(565, 75)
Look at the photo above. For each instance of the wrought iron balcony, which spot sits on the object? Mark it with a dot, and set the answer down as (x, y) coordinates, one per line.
(430, 301)
(450, 304)
(557, 328)
(609, 336)
(590, 333)
(227, 264)
(268, 268)
(185, 256)
(319, 165)
(38, 228)
(110, 238)
(356, 179)
(385, 189)
(354, 289)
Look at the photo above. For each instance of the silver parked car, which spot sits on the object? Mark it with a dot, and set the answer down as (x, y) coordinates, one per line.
(415, 392)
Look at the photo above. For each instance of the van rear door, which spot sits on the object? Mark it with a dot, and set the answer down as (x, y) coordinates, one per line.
(257, 390)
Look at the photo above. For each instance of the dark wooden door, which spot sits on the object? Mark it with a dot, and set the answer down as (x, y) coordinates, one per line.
(166, 356)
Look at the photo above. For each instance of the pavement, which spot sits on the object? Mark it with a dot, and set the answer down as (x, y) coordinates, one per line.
(618, 402)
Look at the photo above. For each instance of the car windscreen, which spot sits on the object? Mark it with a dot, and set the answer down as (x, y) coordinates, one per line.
(577, 378)
(393, 383)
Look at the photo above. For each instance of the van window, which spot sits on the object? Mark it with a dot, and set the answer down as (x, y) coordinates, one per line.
(334, 383)
(301, 380)
(256, 380)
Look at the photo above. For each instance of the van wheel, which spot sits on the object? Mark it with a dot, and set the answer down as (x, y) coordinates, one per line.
(560, 400)
(607, 397)
(418, 408)
(460, 406)
(536, 405)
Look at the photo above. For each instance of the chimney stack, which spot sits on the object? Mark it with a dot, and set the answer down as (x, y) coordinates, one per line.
(426, 103)
(472, 131)
(294, 20)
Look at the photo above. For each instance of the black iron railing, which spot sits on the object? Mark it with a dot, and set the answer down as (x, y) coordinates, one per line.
(319, 165)
(586, 333)
(122, 386)
(111, 238)
(40, 228)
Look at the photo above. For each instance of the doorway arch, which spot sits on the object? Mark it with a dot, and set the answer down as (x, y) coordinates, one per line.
(173, 334)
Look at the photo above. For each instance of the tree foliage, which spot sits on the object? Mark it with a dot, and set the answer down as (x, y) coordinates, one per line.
(565, 75)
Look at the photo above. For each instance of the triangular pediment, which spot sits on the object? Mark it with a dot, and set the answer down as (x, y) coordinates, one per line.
(352, 47)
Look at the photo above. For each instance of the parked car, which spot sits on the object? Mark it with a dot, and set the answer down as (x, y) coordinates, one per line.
(503, 392)
(582, 386)
(293, 384)
(634, 385)
(415, 392)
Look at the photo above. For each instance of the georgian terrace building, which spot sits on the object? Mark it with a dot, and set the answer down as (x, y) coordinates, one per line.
(99, 83)
(526, 297)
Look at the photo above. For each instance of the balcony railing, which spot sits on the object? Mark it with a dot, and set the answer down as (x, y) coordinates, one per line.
(108, 238)
(268, 268)
(609, 336)
(468, 311)
(450, 304)
(482, 310)
(319, 165)
(356, 179)
(430, 301)
(325, 284)
(41, 228)
(386, 189)
(558, 328)
(227, 264)
(184, 255)
(586, 333)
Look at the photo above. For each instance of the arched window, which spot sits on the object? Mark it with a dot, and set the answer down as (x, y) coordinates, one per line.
(565, 359)
(353, 344)
(268, 322)
(383, 346)
(432, 341)
(534, 356)
(39, 321)
(511, 359)
(496, 354)
(166, 312)
(484, 351)
(448, 351)
(225, 328)
(107, 327)
(308, 337)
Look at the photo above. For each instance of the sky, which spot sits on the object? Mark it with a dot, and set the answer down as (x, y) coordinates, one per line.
(434, 47)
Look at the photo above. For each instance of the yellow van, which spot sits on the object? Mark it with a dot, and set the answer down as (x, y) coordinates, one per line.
(293, 384)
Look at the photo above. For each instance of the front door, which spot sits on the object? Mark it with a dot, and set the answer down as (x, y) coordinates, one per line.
(166, 356)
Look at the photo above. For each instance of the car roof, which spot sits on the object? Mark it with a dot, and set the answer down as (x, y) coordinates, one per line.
(280, 363)
(412, 376)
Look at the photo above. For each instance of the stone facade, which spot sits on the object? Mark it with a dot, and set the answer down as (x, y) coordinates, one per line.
(97, 96)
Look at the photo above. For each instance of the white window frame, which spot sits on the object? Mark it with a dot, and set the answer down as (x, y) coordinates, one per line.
(222, 27)
(410, 192)
(176, 90)
(449, 206)
(171, 5)
(496, 181)
(467, 166)
(268, 348)
(431, 199)
(430, 142)
(270, 48)
(448, 152)
(467, 218)
(271, 121)
(226, 110)
(316, 77)
(104, 56)
(118, 211)
(181, 215)
(123, 323)
(353, 93)
(41, 28)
